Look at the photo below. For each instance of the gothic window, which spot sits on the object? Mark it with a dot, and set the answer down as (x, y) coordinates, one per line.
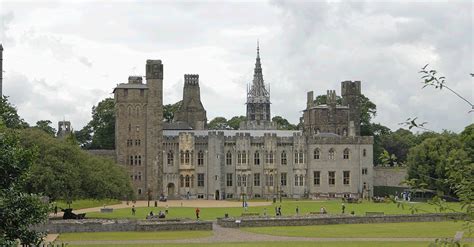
(332, 154)
(181, 181)
(269, 158)
(229, 179)
(346, 154)
(364, 152)
(244, 180)
(346, 177)
(364, 171)
(301, 180)
(301, 157)
(256, 179)
(239, 181)
(139, 160)
(187, 181)
(256, 158)
(332, 178)
(200, 179)
(136, 160)
(244, 157)
(181, 156)
(283, 158)
(200, 158)
(228, 158)
(270, 180)
(316, 177)
(186, 157)
(283, 179)
(170, 158)
(316, 154)
(297, 180)
(296, 157)
(239, 158)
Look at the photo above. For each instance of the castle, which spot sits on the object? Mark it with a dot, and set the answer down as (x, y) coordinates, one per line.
(183, 159)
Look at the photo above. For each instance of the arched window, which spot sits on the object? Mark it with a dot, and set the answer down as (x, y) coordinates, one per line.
(345, 154)
(228, 158)
(316, 154)
(283, 158)
(200, 158)
(181, 154)
(364, 152)
(301, 180)
(170, 158)
(136, 160)
(256, 158)
(239, 158)
(131, 160)
(181, 181)
(301, 157)
(296, 180)
(332, 154)
(186, 157)
(296, 157)
(139, 160)
(270, 181)
(244, 180)
(187, 180)
(244, 157)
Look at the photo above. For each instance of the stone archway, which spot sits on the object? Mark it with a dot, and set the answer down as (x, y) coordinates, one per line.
(171, 191)
(217, 195)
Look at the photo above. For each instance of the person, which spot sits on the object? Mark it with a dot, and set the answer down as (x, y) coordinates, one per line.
(161, 215)
(166, 210)
(343, 208)
(55, 209)
(246, 206)
(151, 213)
(197, 213)
(133, 210)
(279, 210)
(297, 210)
(276, 211)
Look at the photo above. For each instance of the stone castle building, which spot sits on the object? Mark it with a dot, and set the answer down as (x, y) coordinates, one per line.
(327, 158)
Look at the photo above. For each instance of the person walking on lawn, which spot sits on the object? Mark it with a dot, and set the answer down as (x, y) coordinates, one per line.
(197, 213)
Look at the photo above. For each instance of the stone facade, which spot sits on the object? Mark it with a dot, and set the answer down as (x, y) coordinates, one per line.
(64, 128)
(191, 110)
(390, 176)
(328, 158)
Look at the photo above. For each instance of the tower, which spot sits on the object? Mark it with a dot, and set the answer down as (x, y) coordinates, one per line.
(64, 128)
(1, 70)
(154, 129)
(258, 100)
(351, 94)
(192, 111)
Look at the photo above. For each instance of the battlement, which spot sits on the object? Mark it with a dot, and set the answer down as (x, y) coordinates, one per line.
(350, 88)
(154, 69)
(191, 79)
(331, 97)
(135, 80)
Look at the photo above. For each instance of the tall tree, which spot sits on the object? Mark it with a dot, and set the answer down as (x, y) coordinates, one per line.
(283, 124)
(218, 123)
(45, 125)
(102, 125)
(234, 122)
(169, 111)
(9, 115)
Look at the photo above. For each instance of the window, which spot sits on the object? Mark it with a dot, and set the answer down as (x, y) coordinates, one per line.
(364, 171)
(301, 180)
(297, 178)
(346, 177)
(136, 160)
(256, 158)
(181, 181)
(332, 154)
(200, 158)
(283, 158)
(187, 180)
(139, 142)
(332, 178)
(283, 179)
(170, 158)
(316, 154)
(200, 179)
(181, 156)
(301, 157)
(131, 160)
(186, 157)
(129, 127)
(239, 158)
(364, 152)
(256, 179)
(345, 154)
(139, 176)
(228, 158)
(269, 158)
(239, 181)
(229, 179)
(244, 180)
(244, 157)
(270, 180)
(316, 177)
(139, 160)
(139, 191)
(296, 157)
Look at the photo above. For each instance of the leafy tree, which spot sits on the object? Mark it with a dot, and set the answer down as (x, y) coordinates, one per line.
(234, 122)
(398, 143)
(9, 115)
(218, 123)
(45, 125)
(169, 111)
(322, 99)
(368, 110)
(283, 124)
(101, 127)
(18, 210)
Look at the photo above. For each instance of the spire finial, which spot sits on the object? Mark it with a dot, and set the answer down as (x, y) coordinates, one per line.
(258, 49)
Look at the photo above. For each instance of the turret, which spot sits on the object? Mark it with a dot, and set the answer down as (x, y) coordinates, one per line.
(351, 93)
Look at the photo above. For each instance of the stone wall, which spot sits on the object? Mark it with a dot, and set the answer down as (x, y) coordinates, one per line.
(389, 176)
(329, 220)
(106, 153)
(98, 225)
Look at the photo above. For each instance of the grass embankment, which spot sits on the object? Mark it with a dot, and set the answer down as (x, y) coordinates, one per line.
(280, 244)
(288, 208)
(386, 230)
(87, 203)
(118, 236)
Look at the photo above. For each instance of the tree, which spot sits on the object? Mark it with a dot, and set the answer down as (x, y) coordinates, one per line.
(398, 143)
(169, 111)
(234, 123)
(9, 115)
(18, 210)
(218, 123)
(45, 125)
(283, 124)
(102, 125)
(322, 99)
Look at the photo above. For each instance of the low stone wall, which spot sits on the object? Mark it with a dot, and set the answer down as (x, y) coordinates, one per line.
(334, 219)
(98, 225)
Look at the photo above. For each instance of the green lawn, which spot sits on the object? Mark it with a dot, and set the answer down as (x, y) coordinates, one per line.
(87, 203)
(288, 208)
(385, 230)
(165, 235)
(281, 244)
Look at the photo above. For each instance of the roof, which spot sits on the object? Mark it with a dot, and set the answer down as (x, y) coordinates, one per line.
(176, 126)
(257, 133)
(327, 134)
(131, 86)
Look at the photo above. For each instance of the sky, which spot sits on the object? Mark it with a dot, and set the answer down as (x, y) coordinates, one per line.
(61, 58)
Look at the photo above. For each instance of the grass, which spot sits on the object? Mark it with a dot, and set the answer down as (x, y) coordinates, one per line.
(385, 230)
(281, 244)
(87, 203)
(288, 208)
(102, 236)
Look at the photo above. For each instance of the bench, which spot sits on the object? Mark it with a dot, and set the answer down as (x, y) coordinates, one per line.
(106, 210)
(250, 214)
(373, 213)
